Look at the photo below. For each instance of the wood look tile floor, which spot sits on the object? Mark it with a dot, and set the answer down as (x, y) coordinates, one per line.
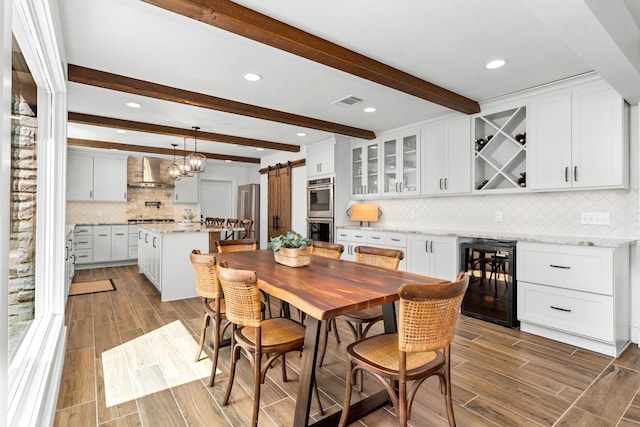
(130, 362)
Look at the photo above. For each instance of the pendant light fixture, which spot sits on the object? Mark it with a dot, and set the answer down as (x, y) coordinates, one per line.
(198, 161)
(185, 166)
(174, 169)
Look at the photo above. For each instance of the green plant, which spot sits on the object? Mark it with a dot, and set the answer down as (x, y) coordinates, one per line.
(291, 240)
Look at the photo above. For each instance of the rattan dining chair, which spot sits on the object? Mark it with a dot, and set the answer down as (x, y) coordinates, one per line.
(208, 288)
(271, 337)
(420, 349)
(360, 322)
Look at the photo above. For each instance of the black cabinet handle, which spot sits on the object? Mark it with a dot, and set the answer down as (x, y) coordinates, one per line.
(139, 235)
(154, 242)
(102, 235)
(445, 183)
(564, 267)
(441, 183)
(566, 174)
(426, 246)
(431, 246)
(395, 240)
(145, 237)
(575, 173)
(566, 310)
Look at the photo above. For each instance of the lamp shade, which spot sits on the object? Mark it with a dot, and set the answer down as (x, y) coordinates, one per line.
(363, 213)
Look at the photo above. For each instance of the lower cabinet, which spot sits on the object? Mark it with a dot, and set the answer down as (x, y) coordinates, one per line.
(101, 243)
(350, 238)
(119, 242)
(434, 256)
(83, 245)
(574, 294)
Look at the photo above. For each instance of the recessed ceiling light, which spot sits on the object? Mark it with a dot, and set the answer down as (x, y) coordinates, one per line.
(228, 161)
(260, 149)
(252, 77)
(370, 109)
(496, 63)
(121, 131)
(133, 105)
(301, 134)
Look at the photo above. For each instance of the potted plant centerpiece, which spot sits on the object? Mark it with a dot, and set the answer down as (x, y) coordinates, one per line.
(291, 249)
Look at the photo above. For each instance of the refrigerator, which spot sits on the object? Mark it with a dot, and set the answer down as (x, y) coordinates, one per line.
(249, 206)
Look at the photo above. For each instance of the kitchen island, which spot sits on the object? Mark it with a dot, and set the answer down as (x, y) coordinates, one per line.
(163, 255)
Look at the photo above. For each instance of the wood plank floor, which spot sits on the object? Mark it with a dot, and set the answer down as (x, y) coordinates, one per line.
(128, 341)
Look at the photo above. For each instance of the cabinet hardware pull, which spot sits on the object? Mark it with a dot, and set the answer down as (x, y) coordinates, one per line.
(395, 240)
(441, 183)
(154, 242)
(145, 238)
(139, 235)
(564, 267)
(102, 235)
(359, 236)
(561, 309)
(426, 246)
(375, 238)
(125, 195)
(91, 194)
(566, 174)
(445, 183)
(119, 234)
(431, 246)
(575, 173)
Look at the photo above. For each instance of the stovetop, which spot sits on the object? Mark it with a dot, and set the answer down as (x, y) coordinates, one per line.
(150, 220)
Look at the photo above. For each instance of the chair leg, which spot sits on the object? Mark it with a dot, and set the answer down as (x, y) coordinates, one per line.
(257, 374)
(203, 332)
(216, 347)
(360, 373)
(447, 386)
(347, 395)
(235, 354)
(284, 368)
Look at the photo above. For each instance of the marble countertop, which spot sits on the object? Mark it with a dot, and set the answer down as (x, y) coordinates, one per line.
(194, 227)
(537, 238)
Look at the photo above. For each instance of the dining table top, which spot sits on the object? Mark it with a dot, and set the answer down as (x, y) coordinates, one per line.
(327, 287)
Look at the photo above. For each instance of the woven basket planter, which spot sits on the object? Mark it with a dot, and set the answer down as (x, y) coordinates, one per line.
(293, 257)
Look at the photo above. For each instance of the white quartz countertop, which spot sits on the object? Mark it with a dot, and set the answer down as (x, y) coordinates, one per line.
(194, 227)
(537, 238)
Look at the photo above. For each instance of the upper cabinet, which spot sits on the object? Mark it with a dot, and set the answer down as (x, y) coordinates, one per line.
(579, 139)
(321, 159)
(186, 190)
(500, 150)
(446, 157)
(96, 178)
(365, 170)
(399, 164)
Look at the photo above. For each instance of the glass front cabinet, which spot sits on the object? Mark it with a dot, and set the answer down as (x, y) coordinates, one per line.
(399, 165)
(365, 170)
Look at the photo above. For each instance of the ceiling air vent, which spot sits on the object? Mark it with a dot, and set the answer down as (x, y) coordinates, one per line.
(348, 101)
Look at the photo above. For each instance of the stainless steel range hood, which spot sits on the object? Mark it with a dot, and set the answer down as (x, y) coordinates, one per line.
(151, 175)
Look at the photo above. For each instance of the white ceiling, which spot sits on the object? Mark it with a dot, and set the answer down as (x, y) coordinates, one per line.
(446, 42)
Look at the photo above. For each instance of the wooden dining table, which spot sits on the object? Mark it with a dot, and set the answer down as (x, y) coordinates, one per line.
(323, 290)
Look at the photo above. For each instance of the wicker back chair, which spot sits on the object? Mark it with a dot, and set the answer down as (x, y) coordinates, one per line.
(271, 337)
(216, 222)
(420, 349)
(238, 245)
(208, 288)
(327, 250)
(360, 322)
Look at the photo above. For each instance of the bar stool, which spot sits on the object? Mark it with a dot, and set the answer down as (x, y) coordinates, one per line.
(231, 223)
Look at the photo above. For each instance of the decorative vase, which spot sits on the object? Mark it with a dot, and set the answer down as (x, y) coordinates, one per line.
(298, 257)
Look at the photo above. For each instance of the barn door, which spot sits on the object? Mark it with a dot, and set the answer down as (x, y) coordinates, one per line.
(279, 200)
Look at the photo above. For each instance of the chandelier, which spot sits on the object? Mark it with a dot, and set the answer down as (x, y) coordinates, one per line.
(185, 166)
(197, 161)
(174, 168)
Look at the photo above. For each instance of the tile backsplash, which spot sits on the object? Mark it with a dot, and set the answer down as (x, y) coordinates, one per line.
(554, 213)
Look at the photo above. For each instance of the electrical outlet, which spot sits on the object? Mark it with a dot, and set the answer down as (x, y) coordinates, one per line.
(498, 216)
(595, 218)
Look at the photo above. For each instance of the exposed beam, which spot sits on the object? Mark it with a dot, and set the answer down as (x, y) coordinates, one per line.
(109, 122)
(248, 23)
(155, 150)
(120, 83)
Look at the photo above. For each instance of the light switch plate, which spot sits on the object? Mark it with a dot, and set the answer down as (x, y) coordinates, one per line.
(595, 218)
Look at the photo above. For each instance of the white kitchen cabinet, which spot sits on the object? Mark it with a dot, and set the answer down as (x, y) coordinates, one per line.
(350, 238)
(155, 260)
(132, 249)
(83, 244)
(574, 294)
(365, 170)
(119, 242)
(186, 190)
(101, 243)
(446, 157)
(143, 250)
(70, 261)
(321, 159)
(96, 178)
(578, 139)
(399, 164)
(433, 256)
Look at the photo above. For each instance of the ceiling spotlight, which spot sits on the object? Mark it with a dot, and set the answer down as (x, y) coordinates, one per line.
(252, 77)
(260, 149)
(121, 131)
(301, 134)
(370, 109)
(227, 161)
(496, 63)
(133, 105)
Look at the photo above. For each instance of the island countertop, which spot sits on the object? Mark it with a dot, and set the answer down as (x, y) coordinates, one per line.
(194, 227)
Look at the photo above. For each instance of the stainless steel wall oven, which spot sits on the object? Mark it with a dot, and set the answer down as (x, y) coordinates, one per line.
(320, 229)
(320, 198)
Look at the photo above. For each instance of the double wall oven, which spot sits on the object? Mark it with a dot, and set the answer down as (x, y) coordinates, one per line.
(320, 209)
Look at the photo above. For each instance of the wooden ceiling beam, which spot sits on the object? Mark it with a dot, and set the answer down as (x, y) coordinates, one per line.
(103, 79)
(88, 119)
(154, 150)
(248, 23)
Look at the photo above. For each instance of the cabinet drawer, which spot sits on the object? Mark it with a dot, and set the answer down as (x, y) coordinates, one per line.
(376, 238)
(581, 313)
(352, 235)
(83, 230)
(398, 240)
(133, 240)
(84, 256)
(84, 242)
(133, 229)
(586, 269)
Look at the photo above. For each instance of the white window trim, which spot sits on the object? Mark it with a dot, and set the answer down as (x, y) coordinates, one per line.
(33, 378)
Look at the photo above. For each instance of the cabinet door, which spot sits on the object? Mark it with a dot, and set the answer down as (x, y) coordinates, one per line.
(549, 142)
(101, 243)
(432, 159)
(320, 159)
(457, 156)
(419, 255)
(186, 190)
(109, 180)
(391, 160)
(598, 141)
(444, 261)
(119, 242)
(79, 178)
(365, 170)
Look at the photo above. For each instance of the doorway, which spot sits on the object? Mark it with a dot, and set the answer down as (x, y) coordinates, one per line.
(216, 199)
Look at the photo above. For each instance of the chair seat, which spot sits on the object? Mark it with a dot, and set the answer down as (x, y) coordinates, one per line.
(211, 309)
(367, 315)
(381, 351)
(277, 331)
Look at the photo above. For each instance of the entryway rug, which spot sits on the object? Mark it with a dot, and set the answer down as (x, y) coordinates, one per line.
(81, 288)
